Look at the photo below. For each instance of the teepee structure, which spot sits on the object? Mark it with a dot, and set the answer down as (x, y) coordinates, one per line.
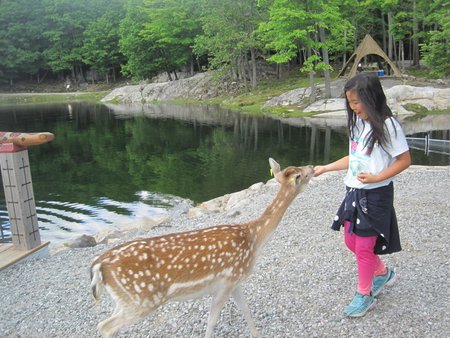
(366, 47)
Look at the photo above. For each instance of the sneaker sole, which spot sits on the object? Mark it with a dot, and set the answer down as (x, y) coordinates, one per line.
(361, 314)
(389, 283)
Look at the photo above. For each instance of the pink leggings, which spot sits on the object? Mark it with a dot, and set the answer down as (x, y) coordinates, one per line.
(369, 264)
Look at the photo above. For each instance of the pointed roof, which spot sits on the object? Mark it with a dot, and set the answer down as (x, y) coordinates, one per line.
(368, 46)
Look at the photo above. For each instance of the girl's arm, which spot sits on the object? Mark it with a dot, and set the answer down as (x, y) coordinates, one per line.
(401, 162)
(340, 164)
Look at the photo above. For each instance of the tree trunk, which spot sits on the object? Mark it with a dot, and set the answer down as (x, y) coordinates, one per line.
(390, 40)
(415, 51)
(241, 68)
(326, 59)
(312, 97)
(253, 62)
(198, 65)
(401, 53)
(344, 56)
(383, 27)
(396, 57)
(279, 71)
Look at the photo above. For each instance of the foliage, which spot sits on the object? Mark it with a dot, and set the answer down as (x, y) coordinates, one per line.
(173, 26)
(436, 51)
(66, 22)
(101, 39)
(229, 36)
(21, 42)
(66, 38)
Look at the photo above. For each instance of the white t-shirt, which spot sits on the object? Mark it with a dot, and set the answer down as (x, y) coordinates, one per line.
(364, 159)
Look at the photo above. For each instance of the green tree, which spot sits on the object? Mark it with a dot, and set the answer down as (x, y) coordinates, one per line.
(143, 59)
(66, 22)
(229, 38)
(171, 27)
(21, 42)
(436, 51)
(101, 41)
(297, 28)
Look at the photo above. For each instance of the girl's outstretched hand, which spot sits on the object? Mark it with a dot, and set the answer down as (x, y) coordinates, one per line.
(319, 170)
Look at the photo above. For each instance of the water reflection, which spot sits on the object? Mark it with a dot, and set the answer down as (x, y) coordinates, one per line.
(111, 165)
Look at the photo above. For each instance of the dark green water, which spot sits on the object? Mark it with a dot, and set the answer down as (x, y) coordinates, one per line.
(109, 166)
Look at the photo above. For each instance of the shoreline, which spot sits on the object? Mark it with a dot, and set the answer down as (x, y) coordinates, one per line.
(214, 205)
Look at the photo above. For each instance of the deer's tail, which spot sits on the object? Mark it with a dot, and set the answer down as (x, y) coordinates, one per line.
(96, 280)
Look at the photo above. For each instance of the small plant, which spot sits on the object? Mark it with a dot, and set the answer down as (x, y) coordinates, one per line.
(416, 108)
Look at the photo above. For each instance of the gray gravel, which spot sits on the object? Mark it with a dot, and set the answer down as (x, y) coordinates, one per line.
(303, 280)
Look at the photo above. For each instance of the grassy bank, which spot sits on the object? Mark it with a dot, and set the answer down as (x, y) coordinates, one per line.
(36, 98)
(251, 101)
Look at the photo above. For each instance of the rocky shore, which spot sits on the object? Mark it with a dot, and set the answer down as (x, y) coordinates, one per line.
(303, 279)
(428, 96)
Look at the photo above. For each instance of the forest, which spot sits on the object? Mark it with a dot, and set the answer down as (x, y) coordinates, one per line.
(103, 40)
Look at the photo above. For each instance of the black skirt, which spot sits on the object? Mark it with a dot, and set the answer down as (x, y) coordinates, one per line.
(371, 213)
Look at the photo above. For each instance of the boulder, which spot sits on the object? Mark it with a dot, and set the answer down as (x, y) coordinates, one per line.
(84, 241)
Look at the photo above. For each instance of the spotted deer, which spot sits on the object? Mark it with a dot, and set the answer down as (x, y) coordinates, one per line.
(143, 274)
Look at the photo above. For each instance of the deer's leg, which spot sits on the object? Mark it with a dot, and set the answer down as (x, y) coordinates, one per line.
(218, 301)
(121, 317)
(241, 303)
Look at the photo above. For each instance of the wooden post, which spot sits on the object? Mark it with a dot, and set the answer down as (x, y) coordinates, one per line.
(18, 186)
(19, 196)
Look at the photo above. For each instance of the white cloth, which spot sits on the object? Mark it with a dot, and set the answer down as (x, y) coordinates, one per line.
(374, 161)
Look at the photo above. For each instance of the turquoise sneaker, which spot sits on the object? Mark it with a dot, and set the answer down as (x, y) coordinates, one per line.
(384, 280)
(360, 305)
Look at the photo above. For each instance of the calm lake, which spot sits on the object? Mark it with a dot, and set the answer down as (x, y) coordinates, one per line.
(110, 165)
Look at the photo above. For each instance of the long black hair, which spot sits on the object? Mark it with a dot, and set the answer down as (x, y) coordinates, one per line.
(371, 94)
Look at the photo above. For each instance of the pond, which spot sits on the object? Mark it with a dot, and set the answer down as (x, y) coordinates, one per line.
(111, 165)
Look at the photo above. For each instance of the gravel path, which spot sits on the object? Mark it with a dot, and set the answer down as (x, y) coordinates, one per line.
(303, 280)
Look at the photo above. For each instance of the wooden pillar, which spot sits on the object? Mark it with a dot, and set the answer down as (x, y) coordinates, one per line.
(19, 196)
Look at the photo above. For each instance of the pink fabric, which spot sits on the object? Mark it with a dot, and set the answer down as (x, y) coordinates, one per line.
(368, 263)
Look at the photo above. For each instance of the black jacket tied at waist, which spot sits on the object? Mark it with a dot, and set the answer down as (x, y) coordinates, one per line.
(371, 213)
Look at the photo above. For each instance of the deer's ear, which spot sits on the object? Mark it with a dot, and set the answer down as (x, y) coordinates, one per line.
(275, 167)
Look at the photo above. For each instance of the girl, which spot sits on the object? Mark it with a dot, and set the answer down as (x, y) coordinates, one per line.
(377, 152)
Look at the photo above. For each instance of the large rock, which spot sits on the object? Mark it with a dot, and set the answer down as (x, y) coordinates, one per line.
(290, 98)
(199, 86)
(397, 97)
(228, 202)
(428, 97)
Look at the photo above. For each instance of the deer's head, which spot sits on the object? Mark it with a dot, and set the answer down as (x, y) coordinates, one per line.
(292, 178)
